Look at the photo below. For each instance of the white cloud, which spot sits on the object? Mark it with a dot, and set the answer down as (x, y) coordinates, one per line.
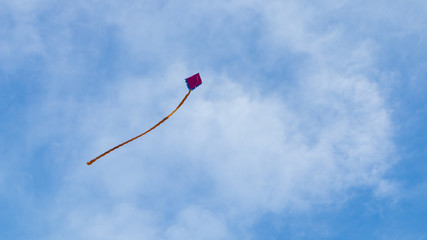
(122, 221)
(233, 149)
(196, 223)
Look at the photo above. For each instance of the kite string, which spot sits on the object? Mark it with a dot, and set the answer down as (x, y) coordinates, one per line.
(142, 134)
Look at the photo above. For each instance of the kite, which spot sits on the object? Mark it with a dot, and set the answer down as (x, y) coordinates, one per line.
(192, 82)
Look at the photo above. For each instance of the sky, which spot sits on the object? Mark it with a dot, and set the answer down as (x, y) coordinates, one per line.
(309, 124)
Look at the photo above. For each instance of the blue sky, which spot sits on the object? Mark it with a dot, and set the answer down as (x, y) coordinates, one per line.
(309, 124)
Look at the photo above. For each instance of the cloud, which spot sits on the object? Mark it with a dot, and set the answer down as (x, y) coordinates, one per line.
(123, 221)
(233, 149)
(196, 223)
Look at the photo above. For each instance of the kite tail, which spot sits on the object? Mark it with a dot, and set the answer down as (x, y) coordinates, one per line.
(142, 134)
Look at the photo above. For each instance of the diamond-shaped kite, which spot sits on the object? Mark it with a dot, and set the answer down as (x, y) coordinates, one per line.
(192, 82)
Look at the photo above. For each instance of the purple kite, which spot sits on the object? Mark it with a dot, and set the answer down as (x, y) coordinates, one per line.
(192, 82)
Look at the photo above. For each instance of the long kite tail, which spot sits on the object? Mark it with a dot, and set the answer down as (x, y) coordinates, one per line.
(142, 134)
